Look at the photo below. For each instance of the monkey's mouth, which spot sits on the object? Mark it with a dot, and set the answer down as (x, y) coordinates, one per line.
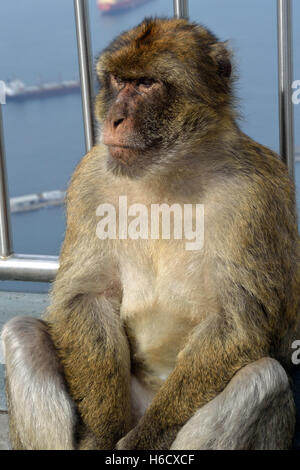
(123, 153)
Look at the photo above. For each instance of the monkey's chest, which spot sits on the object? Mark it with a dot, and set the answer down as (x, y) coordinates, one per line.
(159, 309)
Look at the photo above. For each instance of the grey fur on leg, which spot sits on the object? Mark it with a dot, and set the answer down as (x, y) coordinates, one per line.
(42, 415)
(255, 411)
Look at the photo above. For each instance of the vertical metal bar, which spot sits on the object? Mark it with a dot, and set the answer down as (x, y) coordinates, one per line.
(5, 227)
(285, 75)
(86, 68)
(181, 9)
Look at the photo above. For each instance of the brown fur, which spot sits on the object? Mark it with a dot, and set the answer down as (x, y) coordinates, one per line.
(185, 322)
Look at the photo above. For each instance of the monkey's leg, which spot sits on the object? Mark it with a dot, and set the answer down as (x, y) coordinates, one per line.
(203, 370)
(93, 349)
(41, 413)
(96, 365)
(255, 411)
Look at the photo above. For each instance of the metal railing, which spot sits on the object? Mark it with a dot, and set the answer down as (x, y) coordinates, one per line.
(285, 79)
(86, 69)
(5, 227)
(44, 268)
(181, 9)
(41, 268)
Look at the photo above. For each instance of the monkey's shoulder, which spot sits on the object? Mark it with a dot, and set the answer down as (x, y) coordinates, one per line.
(89, 180)
(261, 175)
(262, 162)
(91, 166)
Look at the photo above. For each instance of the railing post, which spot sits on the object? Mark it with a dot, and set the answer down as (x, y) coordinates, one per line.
(5, 226)
(86, 69)
(285, 78)
(181, 9)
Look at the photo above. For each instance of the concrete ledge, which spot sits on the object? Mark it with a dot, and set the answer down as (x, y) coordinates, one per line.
(4, 439)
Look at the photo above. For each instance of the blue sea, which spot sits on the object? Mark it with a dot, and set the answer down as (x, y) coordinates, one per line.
(44, 138)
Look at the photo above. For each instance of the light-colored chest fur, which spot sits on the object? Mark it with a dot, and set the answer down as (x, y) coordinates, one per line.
(167, 290)
(165, 294)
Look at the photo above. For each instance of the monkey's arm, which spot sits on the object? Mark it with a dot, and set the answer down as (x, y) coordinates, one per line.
(255, 273)
(94, 353)
(84, 321)
(202, 371)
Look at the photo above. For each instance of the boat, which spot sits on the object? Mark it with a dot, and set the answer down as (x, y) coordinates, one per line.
(115, 6)
(16, 90)
(32, 202)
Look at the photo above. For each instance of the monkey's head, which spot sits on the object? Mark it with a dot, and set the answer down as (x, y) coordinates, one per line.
(164, 84)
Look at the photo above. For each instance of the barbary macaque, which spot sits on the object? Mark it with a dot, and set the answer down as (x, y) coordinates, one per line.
(148, 344)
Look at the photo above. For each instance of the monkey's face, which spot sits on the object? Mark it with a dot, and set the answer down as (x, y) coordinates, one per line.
(135, 112)
(163, 86)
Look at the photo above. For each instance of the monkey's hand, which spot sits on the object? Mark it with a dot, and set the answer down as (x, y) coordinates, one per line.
(129, 441)
(141, 437)
(195, 380)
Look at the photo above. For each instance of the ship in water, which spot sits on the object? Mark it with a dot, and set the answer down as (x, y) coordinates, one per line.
(16, 90)
(32, 202)
(115, 6)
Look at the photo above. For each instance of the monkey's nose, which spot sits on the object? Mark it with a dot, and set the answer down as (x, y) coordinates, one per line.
(117, 122)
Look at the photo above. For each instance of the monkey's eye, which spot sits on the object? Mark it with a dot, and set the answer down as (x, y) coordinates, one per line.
(145, 82)
(117, 81)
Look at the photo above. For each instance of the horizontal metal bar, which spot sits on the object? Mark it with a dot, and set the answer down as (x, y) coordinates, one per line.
(86, 69)
(36, 268)
(181, 9)
(5, 227)
(285, 79)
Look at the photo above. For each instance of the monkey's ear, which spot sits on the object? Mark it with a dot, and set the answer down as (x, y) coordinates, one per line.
(222, 58)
